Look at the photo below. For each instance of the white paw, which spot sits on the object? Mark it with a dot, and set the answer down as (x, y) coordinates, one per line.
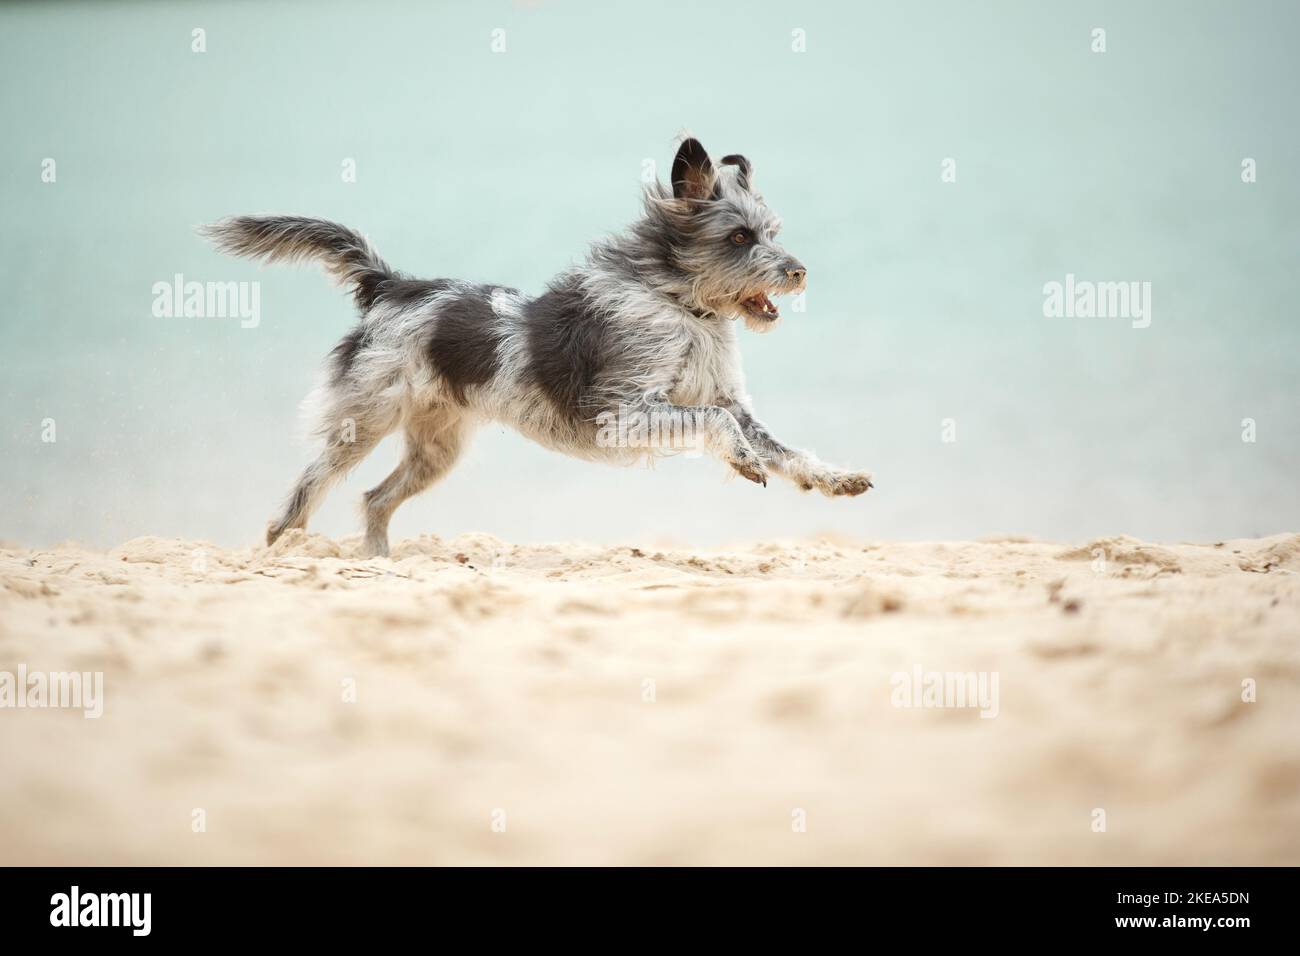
(833, 483)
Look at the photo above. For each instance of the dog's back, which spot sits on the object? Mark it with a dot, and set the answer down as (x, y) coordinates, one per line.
(547, 366)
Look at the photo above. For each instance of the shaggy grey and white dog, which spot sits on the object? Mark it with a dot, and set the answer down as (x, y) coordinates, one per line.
(642, 331)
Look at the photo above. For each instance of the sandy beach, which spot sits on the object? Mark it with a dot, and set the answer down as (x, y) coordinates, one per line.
(473, 701)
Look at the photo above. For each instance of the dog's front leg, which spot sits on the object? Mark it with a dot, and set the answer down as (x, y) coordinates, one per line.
(801, 467)
(654, 421)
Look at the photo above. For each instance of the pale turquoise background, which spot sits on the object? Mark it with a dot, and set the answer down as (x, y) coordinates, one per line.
(925, 299)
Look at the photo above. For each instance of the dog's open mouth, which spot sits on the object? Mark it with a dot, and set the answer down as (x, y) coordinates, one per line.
(761, 307)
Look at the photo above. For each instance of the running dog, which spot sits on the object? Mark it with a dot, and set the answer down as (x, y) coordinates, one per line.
(643, 331)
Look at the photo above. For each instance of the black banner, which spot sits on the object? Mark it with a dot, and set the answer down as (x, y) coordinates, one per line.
(1216, 905)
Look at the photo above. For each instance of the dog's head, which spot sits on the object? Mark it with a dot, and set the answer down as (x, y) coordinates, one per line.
(719, 237)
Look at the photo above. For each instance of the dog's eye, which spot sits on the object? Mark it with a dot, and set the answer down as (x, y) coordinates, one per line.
(741, 237)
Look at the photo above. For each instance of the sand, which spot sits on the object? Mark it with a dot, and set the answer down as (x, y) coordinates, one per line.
(472, 701)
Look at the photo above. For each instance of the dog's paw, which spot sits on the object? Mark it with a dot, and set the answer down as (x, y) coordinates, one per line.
(749, 465)
(833, 483)
(852, 483)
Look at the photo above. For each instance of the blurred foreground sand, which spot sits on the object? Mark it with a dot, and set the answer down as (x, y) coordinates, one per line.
(655, 706)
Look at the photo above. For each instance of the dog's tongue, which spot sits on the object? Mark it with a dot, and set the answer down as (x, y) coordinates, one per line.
(763, 304)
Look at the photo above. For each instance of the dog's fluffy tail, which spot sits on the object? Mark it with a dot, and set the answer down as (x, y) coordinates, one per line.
(347, 256)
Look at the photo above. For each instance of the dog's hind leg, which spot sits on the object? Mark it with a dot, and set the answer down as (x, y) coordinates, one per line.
(345, 446)
(329, 467)
(433, 443)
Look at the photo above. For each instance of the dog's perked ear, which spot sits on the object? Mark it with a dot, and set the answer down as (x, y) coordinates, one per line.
(693, 175)
(743, 169)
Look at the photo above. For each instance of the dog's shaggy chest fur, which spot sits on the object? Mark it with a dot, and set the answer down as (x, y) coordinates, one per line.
(643, 330)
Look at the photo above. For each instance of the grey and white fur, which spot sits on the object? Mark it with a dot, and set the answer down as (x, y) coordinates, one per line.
(644, 327)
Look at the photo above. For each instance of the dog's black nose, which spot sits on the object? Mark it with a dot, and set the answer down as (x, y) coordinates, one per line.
(798, 274)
